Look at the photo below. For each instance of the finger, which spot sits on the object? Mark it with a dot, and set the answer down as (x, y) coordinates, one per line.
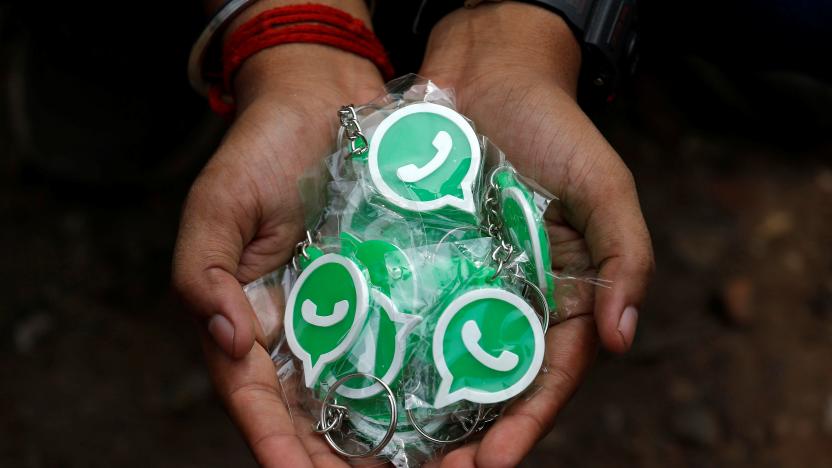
(568, 250)
(249, 389)
(268, 299)
(319, 450)
(462, 457)
(572, 266)
(601, 201)
(620, 246)
(571, 348)
(294, 393)
(205, 261)
(574, 296)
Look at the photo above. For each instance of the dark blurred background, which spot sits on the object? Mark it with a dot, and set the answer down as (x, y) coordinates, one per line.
(727, 127)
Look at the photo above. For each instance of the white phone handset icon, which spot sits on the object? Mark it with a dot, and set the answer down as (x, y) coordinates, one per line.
(471, 335)
(309, 311)
(413, 173)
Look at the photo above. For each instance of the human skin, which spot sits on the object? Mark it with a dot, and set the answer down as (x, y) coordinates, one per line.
(514, 68)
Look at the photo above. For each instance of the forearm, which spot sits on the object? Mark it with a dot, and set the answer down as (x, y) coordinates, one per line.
(508, 36)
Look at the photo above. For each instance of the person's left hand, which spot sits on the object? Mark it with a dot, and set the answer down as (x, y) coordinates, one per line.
(514, 69)
(243, 218)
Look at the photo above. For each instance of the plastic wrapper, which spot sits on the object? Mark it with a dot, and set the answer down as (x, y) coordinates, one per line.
(415, 310)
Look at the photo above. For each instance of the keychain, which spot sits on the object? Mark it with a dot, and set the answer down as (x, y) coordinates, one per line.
(423, 301)
(523, 219)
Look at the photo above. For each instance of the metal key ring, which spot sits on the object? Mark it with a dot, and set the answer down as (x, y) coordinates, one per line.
(497, 170)
(393, 416)
(429, 437)
(545, 316)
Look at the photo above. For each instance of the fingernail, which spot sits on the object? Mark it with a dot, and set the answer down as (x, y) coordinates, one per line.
(627, 325)
(223, 332)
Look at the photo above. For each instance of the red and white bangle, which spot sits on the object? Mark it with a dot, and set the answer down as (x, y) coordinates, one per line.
(206, 42)
(310, 23)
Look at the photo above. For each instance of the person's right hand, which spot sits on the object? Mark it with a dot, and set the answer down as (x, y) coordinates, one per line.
(514, 68)
(242, 219)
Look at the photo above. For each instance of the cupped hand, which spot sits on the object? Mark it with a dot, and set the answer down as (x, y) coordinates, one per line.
(514, 68)
(243, 217)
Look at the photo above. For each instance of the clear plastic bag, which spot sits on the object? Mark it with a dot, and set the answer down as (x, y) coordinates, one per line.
(415, 309)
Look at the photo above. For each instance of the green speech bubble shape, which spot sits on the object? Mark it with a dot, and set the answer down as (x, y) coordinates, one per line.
(487, 346)
(424, 157)
(386, 263)
(375, 221)
(325, 311)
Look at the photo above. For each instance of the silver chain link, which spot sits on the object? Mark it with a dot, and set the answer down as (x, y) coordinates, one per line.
(300, 251)
(503, 252)
(335, 413)
(352, 129)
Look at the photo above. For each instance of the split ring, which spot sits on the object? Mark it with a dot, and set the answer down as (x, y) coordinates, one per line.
(391, 398)
(545, 305)
(429, 437)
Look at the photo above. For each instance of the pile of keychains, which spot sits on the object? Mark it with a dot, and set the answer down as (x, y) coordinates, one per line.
(424, 309)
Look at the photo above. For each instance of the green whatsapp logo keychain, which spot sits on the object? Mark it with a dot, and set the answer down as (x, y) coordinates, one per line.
(382, 343)
(380, 348)
(420, 287)
(325, 311)
(373, 221)
(487, 346)
(424, 157)
(386, 264)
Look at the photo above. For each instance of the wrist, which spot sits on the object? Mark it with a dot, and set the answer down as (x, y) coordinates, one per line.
(310, 71)
(470, 45)
(298, 68)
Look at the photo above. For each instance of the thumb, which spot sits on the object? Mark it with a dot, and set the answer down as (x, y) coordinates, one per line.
(605, 207)
(205, 261)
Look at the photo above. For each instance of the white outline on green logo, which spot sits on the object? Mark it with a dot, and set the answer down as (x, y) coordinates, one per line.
(518, 197)
(466, 203)
(408, 323)
(443, 397)
(311, 372)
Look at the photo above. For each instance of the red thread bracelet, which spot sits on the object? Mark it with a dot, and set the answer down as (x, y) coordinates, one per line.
(358, 32)
(306, 33)
(313, 24)
(267, 21)
(305, 13)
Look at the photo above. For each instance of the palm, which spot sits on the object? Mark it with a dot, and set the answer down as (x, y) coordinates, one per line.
(279, 144)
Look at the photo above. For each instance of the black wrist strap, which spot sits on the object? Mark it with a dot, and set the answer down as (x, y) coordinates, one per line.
(576, 13)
